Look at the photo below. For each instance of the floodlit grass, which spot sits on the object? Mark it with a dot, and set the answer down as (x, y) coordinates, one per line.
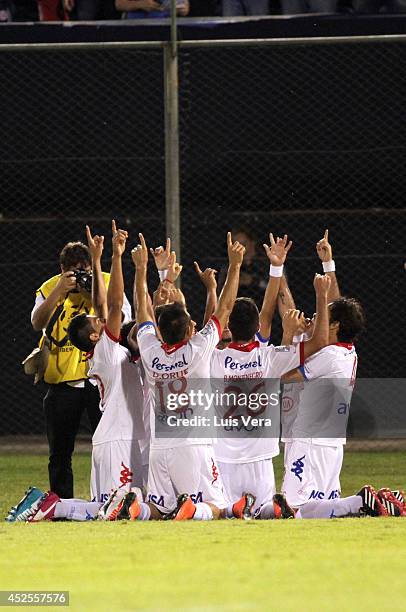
(339, 564)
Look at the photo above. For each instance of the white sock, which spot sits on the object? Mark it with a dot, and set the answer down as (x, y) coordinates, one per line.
(145, 513)
(330, 508)
(265, 512)
(77, 509)
(203, 512)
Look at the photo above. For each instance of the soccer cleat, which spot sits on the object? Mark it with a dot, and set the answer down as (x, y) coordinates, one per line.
(113, 505)
(26, 506)
(46, 508)
(400, 495)
(130, 508)
(185, 509)
(242, 509)
(392, 504)
(281, 507)
(371, 504)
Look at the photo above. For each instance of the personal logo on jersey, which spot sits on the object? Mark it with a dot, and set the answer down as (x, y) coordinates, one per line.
(126, 475)
(282, 349)
(298, 466)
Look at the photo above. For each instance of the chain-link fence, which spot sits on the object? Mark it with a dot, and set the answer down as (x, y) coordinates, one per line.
(273, 138)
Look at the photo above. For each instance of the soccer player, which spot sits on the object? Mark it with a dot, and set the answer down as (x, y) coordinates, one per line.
(116, 456)
(180, 464)
(247, 368)
(291, 390)
(315, 455)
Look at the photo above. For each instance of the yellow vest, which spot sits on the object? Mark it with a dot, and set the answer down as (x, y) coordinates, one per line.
(66, 362)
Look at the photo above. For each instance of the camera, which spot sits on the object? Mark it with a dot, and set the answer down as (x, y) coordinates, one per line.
(84, 279)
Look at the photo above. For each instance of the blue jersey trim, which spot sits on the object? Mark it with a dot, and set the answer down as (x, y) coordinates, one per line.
(302, 370)
(141, 325)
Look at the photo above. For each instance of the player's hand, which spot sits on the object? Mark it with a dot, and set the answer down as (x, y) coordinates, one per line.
(160, 296)
(139, 253)
(292, 322)
(162, 255)
(176, 295)
(235, 251)
(321, 284)
(278, 251)
(96, 244)
(208, 277)
(150, 5)
(324, 248)
(119, 239)
(66, 282)
(174, 268)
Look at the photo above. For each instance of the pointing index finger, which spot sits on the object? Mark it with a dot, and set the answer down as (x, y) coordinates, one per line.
(113, 226)
(326, 235)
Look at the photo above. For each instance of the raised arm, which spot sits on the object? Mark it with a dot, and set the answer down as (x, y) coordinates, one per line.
(99, 293)
(276, 254)
(285, 298)
(325, 253)
(140, 258)
(229, 292)
(320, 335)
(208, 278)
(115, 292)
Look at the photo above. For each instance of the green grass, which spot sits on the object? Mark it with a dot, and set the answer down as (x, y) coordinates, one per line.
(339, 564)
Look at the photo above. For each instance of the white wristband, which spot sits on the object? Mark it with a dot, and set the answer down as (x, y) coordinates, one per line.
(329, 266)
(276, 271)
(162, 274)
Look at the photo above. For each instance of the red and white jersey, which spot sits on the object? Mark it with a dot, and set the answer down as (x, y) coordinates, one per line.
(251, 369)
(175, 369)
(290, 400)
(325, 400)
(121, 397)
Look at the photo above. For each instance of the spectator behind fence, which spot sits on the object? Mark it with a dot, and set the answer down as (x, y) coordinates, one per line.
(237, 8)
(253, 275)
(90, 10)
(69, 393)
(297, 7)
(151, 9)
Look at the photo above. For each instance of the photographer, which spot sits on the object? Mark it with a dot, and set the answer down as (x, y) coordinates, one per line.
(58, 300)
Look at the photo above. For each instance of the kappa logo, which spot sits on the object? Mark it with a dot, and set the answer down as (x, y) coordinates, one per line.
(126, 475)
(89, 517)
(214, 471)
(298, 466)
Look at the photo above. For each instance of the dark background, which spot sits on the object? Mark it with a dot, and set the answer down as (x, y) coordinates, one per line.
(284, 139)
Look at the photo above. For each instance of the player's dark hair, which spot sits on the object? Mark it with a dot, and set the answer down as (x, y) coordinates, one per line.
(74, 253)
(243, 229)
(244, 320)
(79, 331)
(173, 322)
(349, 313)
(124, 331)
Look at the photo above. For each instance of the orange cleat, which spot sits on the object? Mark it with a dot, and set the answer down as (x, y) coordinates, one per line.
(185, 509)
(391, 502)
(281, 507)
(242, 509)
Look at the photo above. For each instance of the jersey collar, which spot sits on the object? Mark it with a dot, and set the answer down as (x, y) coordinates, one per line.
(347, 345)
(245, 347)
(171, 348)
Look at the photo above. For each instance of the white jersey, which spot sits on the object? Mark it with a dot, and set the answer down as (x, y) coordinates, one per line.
(290, 400)
(121, 398)
(173, 370)
(325, 400)
(253, 370)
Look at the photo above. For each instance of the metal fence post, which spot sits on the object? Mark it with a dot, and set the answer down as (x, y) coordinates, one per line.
(172, 136)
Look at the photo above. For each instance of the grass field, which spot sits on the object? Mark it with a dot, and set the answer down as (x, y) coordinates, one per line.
(339, 564)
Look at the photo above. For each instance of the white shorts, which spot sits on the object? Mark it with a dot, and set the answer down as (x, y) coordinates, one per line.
(311, 472)
(184, 469)
(256, 477)
(115, 465)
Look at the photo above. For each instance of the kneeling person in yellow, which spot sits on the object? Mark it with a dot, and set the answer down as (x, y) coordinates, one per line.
(58, 300)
